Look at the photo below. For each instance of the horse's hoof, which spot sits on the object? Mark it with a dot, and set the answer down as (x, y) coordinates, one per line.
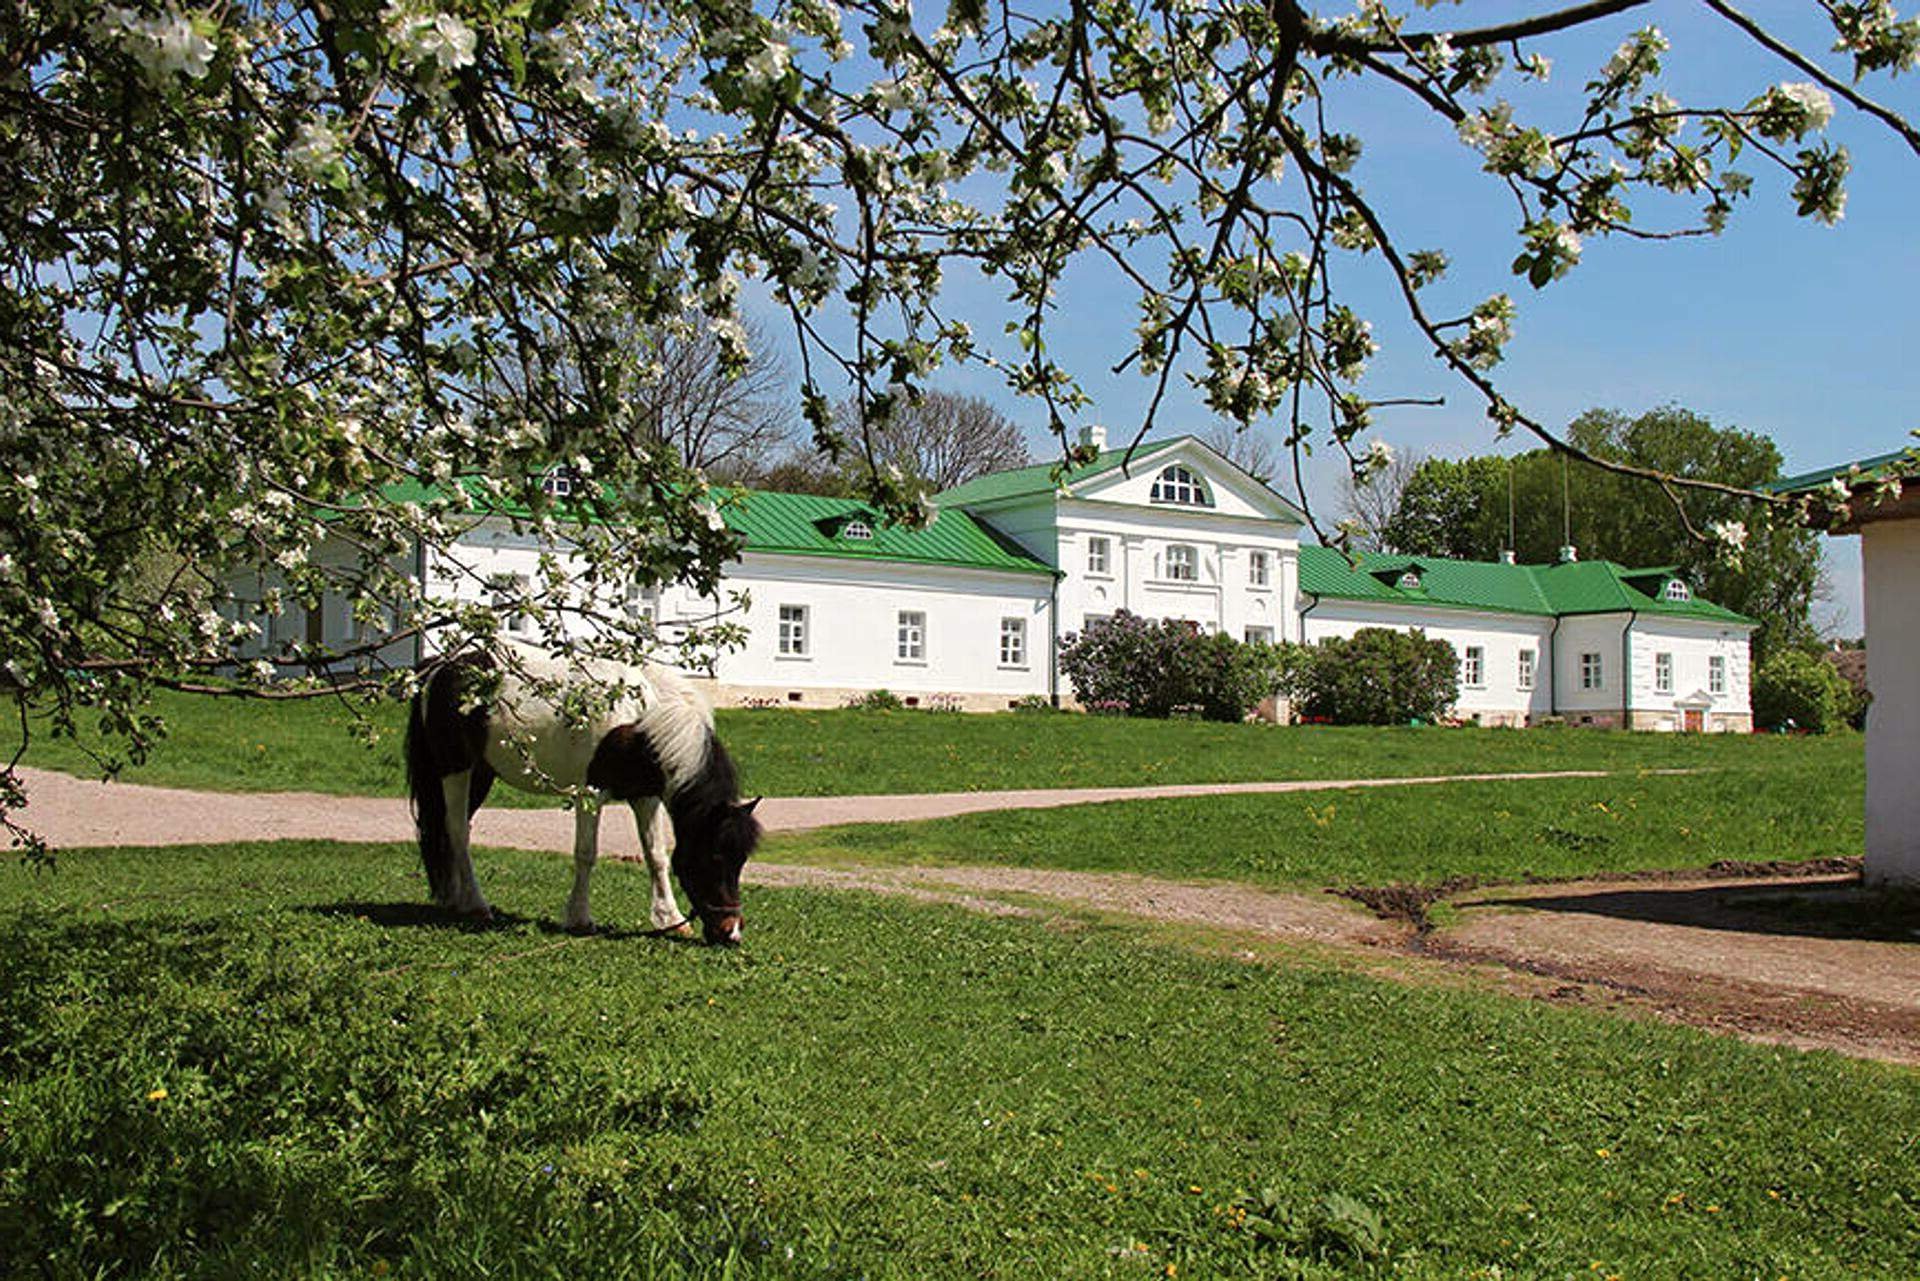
(478, 916)
(681, 931)
(580, 929)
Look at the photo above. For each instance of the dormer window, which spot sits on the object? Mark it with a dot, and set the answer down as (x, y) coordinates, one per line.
(1178, 485)
(1676, 590)
(557, 483)
(858, 530)
(1409, 581)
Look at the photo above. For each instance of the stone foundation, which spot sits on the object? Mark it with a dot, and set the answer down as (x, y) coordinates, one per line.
(814, 698)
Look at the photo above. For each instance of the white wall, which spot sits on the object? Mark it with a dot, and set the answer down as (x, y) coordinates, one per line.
(1890, 561)
(1501, 637)
(852, 622)
(1692, 645)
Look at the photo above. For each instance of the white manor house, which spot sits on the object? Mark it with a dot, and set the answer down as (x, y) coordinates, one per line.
(971, 610)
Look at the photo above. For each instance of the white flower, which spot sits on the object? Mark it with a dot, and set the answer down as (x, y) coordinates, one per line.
(439, 38)
(770, 63)
(1814, 104)
(1379, 456)
(314, 147)
(177, 47)
(1731, 533)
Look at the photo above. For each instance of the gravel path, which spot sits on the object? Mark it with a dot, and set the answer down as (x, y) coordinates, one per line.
(1779, 959)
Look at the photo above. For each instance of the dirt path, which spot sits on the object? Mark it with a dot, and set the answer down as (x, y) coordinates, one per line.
(74, 812)
(1805, 961)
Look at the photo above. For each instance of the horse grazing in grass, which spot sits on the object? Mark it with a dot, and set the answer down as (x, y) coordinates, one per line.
(486, 716)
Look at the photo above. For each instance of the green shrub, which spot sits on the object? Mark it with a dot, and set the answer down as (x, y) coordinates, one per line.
(876, 700)
(1129, 665)
(1793, 689)
(1034, 704)
(1377, 676)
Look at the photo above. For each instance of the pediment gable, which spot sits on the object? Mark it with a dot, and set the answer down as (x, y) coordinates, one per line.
(1184, 475)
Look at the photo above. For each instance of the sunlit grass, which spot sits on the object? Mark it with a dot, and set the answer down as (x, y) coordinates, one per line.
(269, 1060)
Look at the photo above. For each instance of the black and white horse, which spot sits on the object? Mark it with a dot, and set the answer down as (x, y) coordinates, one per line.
(650, 744)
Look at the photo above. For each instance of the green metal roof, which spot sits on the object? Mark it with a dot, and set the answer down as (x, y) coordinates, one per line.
(1864, 469)
(1578, 587)
(1022, 482)
(809, 525)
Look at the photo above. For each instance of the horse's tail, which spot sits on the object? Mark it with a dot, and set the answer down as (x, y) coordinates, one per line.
(429, 798)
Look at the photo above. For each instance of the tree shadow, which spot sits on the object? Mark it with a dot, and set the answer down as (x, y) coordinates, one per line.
(1837, 908)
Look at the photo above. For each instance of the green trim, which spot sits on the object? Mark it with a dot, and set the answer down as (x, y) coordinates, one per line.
(1877, 467)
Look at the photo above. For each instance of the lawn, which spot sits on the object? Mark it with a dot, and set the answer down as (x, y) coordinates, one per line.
(268, 1060)
(311, 745)
(1376, 836)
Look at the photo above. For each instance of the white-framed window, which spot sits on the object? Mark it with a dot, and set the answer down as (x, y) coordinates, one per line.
(1259, 569)
(1717, 674)
(911, 636)
(508, 592)
(1183, 563)
(1676, 590)
(1409, 581)
(1013, 642)
(1178, 485)
(793, 631)
(1259, 635)
(1473, 667)
(557, 483)
(1593, 675)
(1523, 674)
(1663, 673)
(1099, 556)
(857, 530)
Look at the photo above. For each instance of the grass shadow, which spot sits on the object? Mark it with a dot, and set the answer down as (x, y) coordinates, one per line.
(414, 915)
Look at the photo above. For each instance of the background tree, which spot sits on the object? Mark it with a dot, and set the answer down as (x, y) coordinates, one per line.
(1459, 509)
(1245, 447)
(1369, 499)
(941, 439)
(729, 421)
(273, 270)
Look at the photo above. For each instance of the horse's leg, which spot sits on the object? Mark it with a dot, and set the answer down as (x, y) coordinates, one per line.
(586, 848)
(656, 841)
(467, 899)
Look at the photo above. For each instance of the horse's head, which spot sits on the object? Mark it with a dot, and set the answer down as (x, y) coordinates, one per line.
(708, 867)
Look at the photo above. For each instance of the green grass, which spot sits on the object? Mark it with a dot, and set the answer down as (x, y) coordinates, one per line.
(231, 746)
(1374, 836)
(868, 1088)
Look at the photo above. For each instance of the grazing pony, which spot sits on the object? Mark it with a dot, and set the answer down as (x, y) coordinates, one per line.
(482, 716)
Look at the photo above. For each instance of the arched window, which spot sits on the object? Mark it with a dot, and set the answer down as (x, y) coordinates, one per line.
(1178, 485)
(1409, 581)
(1676, 590)
(857, 529)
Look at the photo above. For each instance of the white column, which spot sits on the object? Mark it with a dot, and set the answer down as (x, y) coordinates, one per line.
(1890, 558)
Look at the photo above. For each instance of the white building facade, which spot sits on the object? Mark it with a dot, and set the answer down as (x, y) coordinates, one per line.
(971, 611)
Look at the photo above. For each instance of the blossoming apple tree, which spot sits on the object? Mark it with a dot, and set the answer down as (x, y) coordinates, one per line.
(279, 272)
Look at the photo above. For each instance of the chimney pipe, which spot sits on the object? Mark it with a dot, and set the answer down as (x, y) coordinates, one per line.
(1569, 554)
(1094, 434)
(1507, 557)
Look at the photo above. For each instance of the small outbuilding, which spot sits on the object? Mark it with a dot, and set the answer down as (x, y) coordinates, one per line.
(1879, 499)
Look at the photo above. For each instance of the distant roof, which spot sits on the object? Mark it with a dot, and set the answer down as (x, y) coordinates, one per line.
(1864, 469)
(1021, 482)
(1578, 587)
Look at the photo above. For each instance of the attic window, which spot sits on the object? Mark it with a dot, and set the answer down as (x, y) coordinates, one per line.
(1180, 486)
(1409, 581)
(857, 529)
(557, 483)
(1676, 590)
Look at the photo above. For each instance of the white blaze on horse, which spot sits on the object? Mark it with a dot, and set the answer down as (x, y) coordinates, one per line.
(481, 717)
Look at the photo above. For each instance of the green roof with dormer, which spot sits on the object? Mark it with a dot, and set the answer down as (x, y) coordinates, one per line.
(811, 525)
(1547, 591)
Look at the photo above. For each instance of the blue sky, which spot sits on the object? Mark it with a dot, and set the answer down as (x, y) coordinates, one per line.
(1781, 325)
